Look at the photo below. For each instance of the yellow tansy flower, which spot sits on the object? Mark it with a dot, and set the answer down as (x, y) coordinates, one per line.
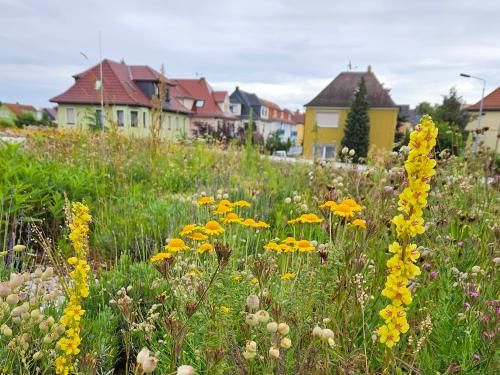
(213, 228)
(176, 244)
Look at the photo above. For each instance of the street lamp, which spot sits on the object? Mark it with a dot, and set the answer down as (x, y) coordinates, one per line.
(476, 134)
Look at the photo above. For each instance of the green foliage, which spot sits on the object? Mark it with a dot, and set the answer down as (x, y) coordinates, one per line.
(357, 127)
(6, 124)
(26, 118)
(274, 143)
(449, 138)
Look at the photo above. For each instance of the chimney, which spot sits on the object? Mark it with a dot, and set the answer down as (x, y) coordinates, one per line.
(369, 68)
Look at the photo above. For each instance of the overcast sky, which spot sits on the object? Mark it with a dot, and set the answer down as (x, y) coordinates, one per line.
(283, 50)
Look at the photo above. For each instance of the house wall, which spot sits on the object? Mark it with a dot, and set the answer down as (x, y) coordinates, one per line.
(6, 114)
(173, 125)
(382, 128)
(490, 119)
(299, 128)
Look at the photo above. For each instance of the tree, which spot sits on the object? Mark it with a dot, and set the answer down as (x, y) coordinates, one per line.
(274, 143)
(357, 127)
(452, 111)
(425, 108)
(25, 119)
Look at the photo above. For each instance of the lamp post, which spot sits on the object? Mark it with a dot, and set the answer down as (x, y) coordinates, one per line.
(476, 134)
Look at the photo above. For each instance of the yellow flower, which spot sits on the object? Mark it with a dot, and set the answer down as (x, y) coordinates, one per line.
(204, 247)
(271, 246)
(197, 236)
(236, 277)
(194, 273)
(329, 204)
(203, 201)
(262, 224)
(304, 246)
(225, 309)
(73, 260)
(254, 280)
(231, 217)
(306, 218)
(388, 336)
(241, 203)
(352, 204)
(288, 276)
(360, 223)
(175, 245)
(290, 241)
(160, 256)
(213, 228)
(188, 229)
(249, 223)
(222, 209)
(343, 210)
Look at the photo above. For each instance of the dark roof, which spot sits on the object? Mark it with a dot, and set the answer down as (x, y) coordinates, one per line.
(118, 83)
(491, 102)
(244, 97)
(340, 92)
(51, 112)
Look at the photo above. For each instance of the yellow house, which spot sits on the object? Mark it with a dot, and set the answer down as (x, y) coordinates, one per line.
(326, 115)
(489, 133)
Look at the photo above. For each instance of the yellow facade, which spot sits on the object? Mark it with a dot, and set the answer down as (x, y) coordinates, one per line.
(382, 127)
(300, 134)
(76, 116)
(491, 121)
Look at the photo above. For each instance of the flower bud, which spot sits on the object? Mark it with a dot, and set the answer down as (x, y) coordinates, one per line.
(149, 364)
(16, 280)
(5, 289)
(5, 329)
(288, 200)
(251, 346)
(286, 342)
(251, 320)
(142, 356)
(253, 302)
(37, 356)
(263, 316)
(272, 327)
(274, 352)
(283, 329)
(317, 331)
(326, 334)
(185, 370)
(345, 150)
(12, 299)
(18, 248)
(352, 152)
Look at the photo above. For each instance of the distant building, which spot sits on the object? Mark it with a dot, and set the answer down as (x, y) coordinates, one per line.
(127, 92)
(298, 119)
(490, 121)
(50, 113)
(9, 112)
(326, 115)
(267, 116)
(206, 106)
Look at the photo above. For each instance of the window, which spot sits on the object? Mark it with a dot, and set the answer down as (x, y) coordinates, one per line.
(327, 119)
(134, 118)
(176, 122)
(144, 119)
(70, 116)
(120, 117)
(324, 152)
(99, 118)
(199, 103)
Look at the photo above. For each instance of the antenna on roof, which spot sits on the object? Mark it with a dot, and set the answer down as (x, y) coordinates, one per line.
(350, 66)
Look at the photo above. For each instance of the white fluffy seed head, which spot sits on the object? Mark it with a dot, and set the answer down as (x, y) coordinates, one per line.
(272, 327)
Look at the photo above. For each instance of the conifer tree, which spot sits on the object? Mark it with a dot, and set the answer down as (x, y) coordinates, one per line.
(357, 127)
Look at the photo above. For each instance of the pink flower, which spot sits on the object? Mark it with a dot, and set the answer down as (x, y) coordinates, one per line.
(434, 274)
(460, 243)
(467, 305)
(473, 294)
(426, 265)
(476, 357)
(486, 318)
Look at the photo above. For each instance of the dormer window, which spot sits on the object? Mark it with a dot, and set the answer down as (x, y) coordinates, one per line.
(199, 103)
(97, 85)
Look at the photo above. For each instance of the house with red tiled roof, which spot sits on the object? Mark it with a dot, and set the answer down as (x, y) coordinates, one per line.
(489, 131)
(117, 94)
(10, 111)
(279, 121)
(207, 107)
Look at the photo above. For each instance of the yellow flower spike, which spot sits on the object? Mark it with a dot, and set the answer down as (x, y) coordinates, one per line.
(412, 200)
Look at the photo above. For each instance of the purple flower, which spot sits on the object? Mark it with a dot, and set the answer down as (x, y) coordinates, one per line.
(467, 305)
(473, 294)
(476, 357)
(434, 274)
(485, 318)
(388, 189)
(460, 243)
(426, 265)
(489, 335)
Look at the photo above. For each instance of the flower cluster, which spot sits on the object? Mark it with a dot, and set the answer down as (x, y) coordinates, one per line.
(69, 344)
(413, 199)
(306, 219)
(290, 245)
(346, 209)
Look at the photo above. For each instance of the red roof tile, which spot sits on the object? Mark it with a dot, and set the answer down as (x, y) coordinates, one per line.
(298, 117)
(491, 102)
(219, 96)
(118, 84)
(200, 90)
(20, 108)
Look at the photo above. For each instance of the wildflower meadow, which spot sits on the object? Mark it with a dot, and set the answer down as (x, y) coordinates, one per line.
(117, 257)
